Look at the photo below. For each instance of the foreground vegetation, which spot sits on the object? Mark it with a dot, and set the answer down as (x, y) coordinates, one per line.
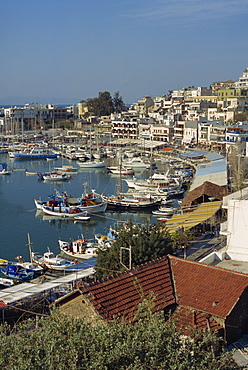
(59, 342)
(147, 243)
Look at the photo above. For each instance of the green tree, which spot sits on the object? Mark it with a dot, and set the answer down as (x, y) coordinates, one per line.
(102, 105)
(61, 343)
(118, 104)
(182, 239)
(147, 243)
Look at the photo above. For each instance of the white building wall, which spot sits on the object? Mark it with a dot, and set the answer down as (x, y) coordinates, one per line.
(237, 229)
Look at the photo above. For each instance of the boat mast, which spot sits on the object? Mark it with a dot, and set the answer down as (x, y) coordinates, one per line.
(29, 247)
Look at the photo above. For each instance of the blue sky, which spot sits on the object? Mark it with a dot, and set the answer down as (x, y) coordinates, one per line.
(63, 51)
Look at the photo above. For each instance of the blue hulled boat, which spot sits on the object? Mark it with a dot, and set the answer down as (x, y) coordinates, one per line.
(17, 272)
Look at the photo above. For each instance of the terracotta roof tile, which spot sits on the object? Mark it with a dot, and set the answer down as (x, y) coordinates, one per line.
(206, 288)
(2, 304)
(122, 294)
(187, 318)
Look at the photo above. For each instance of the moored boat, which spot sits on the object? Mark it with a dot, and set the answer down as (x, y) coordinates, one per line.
(53, 262)
(54, 176)
(79, 248)
(90, 202)
(4, 169)
(34, 153)
(15, 271)
(6, 283)
(64, 212)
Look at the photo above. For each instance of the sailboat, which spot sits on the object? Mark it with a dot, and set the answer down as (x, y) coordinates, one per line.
(91, 163)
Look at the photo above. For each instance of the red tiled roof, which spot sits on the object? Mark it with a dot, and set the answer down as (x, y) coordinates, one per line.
(206, 288)
(189, 318)
(121, 295)
(202, 288)
(2, 304)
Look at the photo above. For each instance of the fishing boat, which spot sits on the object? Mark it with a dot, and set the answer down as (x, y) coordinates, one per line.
(15, 271)
(106, 241)
(90, 202)
(6, 283)
(64, 212)
(54, 176)
(53, 262)
(34, 153)
(30, 265)
(4, 169)
(79, 248)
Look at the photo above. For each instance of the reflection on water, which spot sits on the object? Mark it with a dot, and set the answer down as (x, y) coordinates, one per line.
(18, 215)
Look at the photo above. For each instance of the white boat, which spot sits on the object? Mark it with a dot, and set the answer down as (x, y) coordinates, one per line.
(68, 170)
(164, 211)
(156, 181)
(137, 162)
(106, 241)
(67, 212)
(124, 171)
(79, 248)
(54, 176)
(4, 169)
(6, 283)
(81, 219)
(30, 265)
(51, 261)
(92, 164)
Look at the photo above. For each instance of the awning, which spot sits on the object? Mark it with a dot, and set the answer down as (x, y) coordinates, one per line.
(188, 220)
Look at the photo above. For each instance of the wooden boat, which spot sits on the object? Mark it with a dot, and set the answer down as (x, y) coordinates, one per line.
(6, 283)
(90, 202)
(79, 248)
(131, 203)
(17, 272)
(64, 212)
(53, 262)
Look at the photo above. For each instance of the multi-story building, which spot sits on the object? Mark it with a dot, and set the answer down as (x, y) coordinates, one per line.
(216, 86)
(142, 106)
(237, 137)
(190, 133)
(243, 80)
(125, 129)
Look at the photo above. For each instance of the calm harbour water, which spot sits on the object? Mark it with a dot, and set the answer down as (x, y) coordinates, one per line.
(18, 213)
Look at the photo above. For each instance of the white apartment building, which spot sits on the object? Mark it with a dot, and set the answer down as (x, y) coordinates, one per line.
(243, 80)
